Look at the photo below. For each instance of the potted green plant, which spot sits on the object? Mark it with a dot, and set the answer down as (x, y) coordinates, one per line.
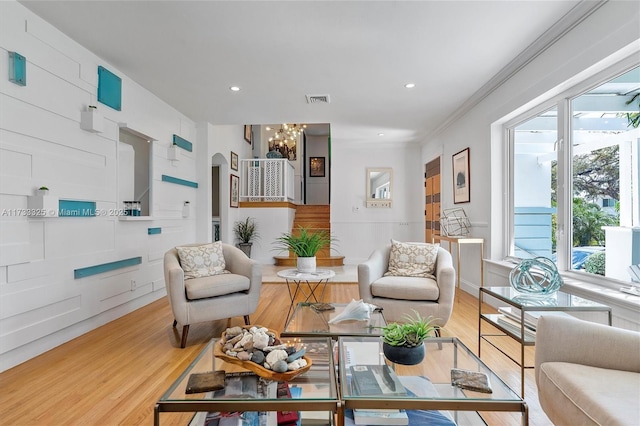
(246, 231)
(305, 244)
(403, 343)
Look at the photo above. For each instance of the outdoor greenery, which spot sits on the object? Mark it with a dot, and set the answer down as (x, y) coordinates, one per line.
(595, 263)
(246, 230)
(410, 333)
(633, 117)
(588, 220)
(304, 242)
(595, 175)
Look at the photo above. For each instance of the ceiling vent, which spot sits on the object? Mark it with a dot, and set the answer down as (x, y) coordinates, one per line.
(318, 99)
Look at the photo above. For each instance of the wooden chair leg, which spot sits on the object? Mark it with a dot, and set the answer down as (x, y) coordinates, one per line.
(175, 322)
(247, 321)
(185, 331)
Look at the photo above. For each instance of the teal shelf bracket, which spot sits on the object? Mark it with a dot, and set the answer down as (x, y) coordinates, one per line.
(105, 267)
(182, 143)
(179, 181)
(17, 69)
(72, 208)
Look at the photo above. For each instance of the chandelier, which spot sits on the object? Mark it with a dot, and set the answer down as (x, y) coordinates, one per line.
(285, 138)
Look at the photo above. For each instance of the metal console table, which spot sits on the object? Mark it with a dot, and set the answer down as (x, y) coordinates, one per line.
(527, 307)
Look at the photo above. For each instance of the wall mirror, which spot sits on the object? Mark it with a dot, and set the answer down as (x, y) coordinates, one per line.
(379, 186)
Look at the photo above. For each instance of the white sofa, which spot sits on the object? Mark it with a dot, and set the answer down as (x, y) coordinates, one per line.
(587, 373)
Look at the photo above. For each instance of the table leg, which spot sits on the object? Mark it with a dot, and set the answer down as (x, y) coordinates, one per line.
(292, 296)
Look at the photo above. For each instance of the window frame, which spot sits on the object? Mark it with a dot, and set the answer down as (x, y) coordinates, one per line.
(562, 102)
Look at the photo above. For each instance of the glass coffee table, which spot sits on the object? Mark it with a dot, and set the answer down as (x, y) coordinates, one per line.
(307, 321)
(427, 392)
(318, 389)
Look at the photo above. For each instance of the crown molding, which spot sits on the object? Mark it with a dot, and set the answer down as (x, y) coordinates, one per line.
(570, 20)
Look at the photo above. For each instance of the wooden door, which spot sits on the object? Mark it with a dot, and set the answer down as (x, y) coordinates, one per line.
(432, 199)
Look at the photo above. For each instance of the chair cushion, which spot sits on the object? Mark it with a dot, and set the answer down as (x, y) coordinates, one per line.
(581, 394)
(412, 259)
(218, 285)
(406, 288)
(202, 261)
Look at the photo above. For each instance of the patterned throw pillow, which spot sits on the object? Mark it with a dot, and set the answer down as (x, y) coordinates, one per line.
(412, 259)
(202, 261)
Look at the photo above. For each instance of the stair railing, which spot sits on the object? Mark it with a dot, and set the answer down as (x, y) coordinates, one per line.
(266, 179)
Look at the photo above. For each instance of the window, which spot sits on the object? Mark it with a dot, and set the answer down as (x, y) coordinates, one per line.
(574, 179)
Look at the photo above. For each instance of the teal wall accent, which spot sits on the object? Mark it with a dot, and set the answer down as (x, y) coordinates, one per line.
(17, 69)
(105, 267)
(182, 143)
(178, 181)
(71, 208)
(109, 89)
(154, 231)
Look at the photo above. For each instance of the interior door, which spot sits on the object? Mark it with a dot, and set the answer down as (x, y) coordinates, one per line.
(432, 199)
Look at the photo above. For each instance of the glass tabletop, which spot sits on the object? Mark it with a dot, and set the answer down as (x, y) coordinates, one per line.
(540, 303)
(317, 383)
(294, 274)
(309, 321)
(428, 380)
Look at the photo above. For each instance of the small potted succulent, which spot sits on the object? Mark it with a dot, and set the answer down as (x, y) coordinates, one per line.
(43, 190)
(246, 231)
(403, 343)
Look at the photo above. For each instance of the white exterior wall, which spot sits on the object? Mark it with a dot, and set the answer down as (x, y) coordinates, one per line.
(41, 304)
(615, 26)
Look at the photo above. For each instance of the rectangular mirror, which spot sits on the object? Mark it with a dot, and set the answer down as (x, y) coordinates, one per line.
(379, 186)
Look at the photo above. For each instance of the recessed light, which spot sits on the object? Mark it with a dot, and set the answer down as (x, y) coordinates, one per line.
(234, 88)
(380, 134)
(410, 85)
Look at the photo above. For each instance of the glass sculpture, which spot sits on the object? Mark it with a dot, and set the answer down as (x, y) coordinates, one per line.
(536, 277)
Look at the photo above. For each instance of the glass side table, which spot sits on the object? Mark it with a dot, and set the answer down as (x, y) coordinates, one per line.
(306, 284)
(517, 319)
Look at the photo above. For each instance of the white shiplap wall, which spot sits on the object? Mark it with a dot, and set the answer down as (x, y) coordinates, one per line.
(41, 143)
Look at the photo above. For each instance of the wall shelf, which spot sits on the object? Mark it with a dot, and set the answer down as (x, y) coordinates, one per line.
(43, 206)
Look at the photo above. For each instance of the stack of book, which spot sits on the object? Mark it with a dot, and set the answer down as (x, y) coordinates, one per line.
(380, 416)
(375, 380)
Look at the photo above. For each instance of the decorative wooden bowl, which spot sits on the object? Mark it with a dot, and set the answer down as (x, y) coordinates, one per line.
(256, 368)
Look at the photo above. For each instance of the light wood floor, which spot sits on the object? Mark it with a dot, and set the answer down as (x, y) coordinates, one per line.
(115, 374)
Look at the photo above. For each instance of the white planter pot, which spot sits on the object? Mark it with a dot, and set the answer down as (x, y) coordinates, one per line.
(306, 264)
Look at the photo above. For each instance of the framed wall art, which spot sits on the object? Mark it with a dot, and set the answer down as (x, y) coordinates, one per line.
(234, 192)
(461, 177)
(234, 161)
(316, 167)
(247, 133)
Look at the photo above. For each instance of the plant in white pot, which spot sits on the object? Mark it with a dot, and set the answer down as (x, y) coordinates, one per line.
(403, 343)
(246, 232)
(305, 244)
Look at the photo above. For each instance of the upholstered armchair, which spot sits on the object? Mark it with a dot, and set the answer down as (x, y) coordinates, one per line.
(587, 373)
(398, 295)
(213, 297)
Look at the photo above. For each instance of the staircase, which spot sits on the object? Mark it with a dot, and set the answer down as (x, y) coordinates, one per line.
(312, 217)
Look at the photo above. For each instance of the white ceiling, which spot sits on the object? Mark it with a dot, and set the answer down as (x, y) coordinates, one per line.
(361, 53)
